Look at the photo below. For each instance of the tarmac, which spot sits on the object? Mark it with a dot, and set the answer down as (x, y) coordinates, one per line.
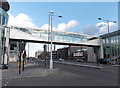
(33, 70)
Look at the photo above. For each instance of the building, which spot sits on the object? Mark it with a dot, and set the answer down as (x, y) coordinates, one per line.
(38, 53)
(4, 7)
(77, 52)
(111, 44)
(109, 48)
(14, 50)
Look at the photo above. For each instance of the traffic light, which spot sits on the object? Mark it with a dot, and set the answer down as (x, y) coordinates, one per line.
(21, 49)
(21, 46)
(45, 47)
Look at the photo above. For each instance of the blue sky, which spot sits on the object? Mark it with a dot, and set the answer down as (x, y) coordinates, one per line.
(86, 13)
(80, 17)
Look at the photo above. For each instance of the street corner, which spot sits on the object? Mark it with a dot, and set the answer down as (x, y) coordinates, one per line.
(43, 72)
(39, 72)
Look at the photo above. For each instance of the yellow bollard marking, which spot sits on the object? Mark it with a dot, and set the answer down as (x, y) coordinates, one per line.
(18, 63)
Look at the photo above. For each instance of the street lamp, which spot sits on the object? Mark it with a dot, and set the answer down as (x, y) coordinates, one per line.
(28, 50)
(107, 23)
(50, 22)
(52, 12)
(108, 32)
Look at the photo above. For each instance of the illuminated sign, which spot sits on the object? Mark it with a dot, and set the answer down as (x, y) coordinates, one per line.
(78, 54)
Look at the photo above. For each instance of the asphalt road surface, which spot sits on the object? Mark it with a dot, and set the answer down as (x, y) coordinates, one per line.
(70, 75)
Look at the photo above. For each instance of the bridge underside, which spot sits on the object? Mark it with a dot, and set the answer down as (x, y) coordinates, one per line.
(57, 43)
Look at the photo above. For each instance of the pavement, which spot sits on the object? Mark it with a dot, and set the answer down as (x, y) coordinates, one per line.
(88, 65)
(31, 69)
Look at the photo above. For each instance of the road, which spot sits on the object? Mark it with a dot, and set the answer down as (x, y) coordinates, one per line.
(70, 75)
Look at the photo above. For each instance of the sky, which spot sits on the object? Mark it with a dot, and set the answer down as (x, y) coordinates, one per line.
(79, 17)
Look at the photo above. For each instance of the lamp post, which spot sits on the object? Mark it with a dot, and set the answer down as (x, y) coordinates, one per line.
(51, 31)
(50, 12)
(107, 23)
(28, 50)
(48, 38)
(108, 33)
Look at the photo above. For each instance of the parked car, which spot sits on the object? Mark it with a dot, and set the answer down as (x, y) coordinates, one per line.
(80, 60)
(113, 61)
(104, 61)
(118, 59)
(4, 66)
(61, 59)
(107, 61)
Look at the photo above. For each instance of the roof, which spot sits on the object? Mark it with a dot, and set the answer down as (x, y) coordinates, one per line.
(115, 33)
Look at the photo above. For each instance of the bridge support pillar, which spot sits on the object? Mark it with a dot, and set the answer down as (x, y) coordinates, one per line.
(7, 47)
(101, 49)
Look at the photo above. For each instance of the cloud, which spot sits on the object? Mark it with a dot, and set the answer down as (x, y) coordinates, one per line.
(101, 24)
(91, 29)
(20, 20)
(45, 27)
(103, 27)
(100, 28)
(72, 23)
(62, 26)
(69, 25)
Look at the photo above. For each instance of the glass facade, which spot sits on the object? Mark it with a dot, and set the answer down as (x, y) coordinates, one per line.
(111, 44)
(3, 21)
(67, 37)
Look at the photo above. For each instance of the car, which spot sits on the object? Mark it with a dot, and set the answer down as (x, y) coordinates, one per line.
(113, 61)
(4, 66)
(104, 61)
(107, 61)
(118, 59)
(80, 60)
(61, 59)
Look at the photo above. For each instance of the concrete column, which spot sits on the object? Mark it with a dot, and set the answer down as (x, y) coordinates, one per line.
(101, 48)
(6, 49)
(90, 54)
